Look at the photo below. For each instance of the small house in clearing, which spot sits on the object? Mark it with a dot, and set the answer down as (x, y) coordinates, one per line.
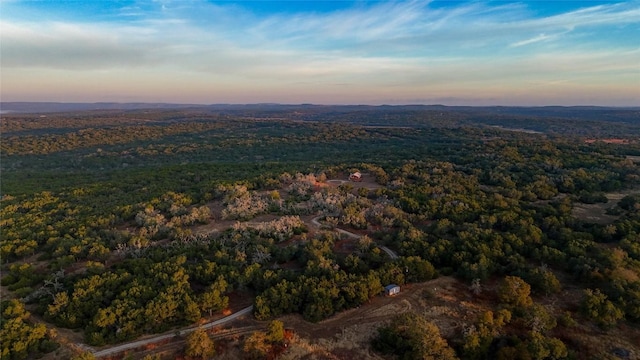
(356, 176)
(391, 290)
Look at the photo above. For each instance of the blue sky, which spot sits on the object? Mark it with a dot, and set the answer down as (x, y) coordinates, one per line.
(323, 52)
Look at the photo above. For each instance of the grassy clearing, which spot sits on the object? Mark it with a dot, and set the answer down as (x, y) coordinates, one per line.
(597, 213)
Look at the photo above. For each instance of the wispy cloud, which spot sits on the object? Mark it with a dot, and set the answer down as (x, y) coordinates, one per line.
(376, 46)
(535, 39)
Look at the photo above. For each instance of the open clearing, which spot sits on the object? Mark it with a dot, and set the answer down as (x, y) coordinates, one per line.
(596, 213)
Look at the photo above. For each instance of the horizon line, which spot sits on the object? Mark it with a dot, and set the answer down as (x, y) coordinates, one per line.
(311, 104)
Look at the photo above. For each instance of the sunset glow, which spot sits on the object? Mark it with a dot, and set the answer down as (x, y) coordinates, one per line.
(418, 52)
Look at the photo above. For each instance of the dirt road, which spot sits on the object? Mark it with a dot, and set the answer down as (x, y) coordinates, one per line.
(388, 251)
(135, 344)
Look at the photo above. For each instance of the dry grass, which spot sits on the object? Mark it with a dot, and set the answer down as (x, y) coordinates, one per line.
(450, 305)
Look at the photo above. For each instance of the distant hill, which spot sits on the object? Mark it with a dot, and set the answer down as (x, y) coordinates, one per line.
(269, 109)
(48, 107)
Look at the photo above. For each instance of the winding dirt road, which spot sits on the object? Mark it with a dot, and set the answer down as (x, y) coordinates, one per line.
(388, 251)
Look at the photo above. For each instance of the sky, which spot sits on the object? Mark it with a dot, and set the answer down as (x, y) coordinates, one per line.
(523, 53)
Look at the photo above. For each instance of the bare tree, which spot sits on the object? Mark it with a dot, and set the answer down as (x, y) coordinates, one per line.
(476, 287)
(261, 255)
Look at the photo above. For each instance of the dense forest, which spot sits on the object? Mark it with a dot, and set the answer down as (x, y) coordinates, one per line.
(125, 223)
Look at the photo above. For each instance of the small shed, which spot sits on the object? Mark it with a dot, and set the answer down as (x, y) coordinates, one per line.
(356, 176)
(391, 290)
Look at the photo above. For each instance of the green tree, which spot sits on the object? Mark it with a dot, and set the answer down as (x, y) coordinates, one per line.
(84, 356)
(541, 347)
(18, 337)
(275, 332)
(199, 345)
(417, 269)
(597, 307)
(256, 346)
(544, 281)
(478, 337)
(212, 299)
(411, 336)
(191, 310)
(629, 202)
(515, 293)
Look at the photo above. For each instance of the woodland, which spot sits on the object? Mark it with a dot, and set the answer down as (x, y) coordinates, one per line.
(123, 223)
